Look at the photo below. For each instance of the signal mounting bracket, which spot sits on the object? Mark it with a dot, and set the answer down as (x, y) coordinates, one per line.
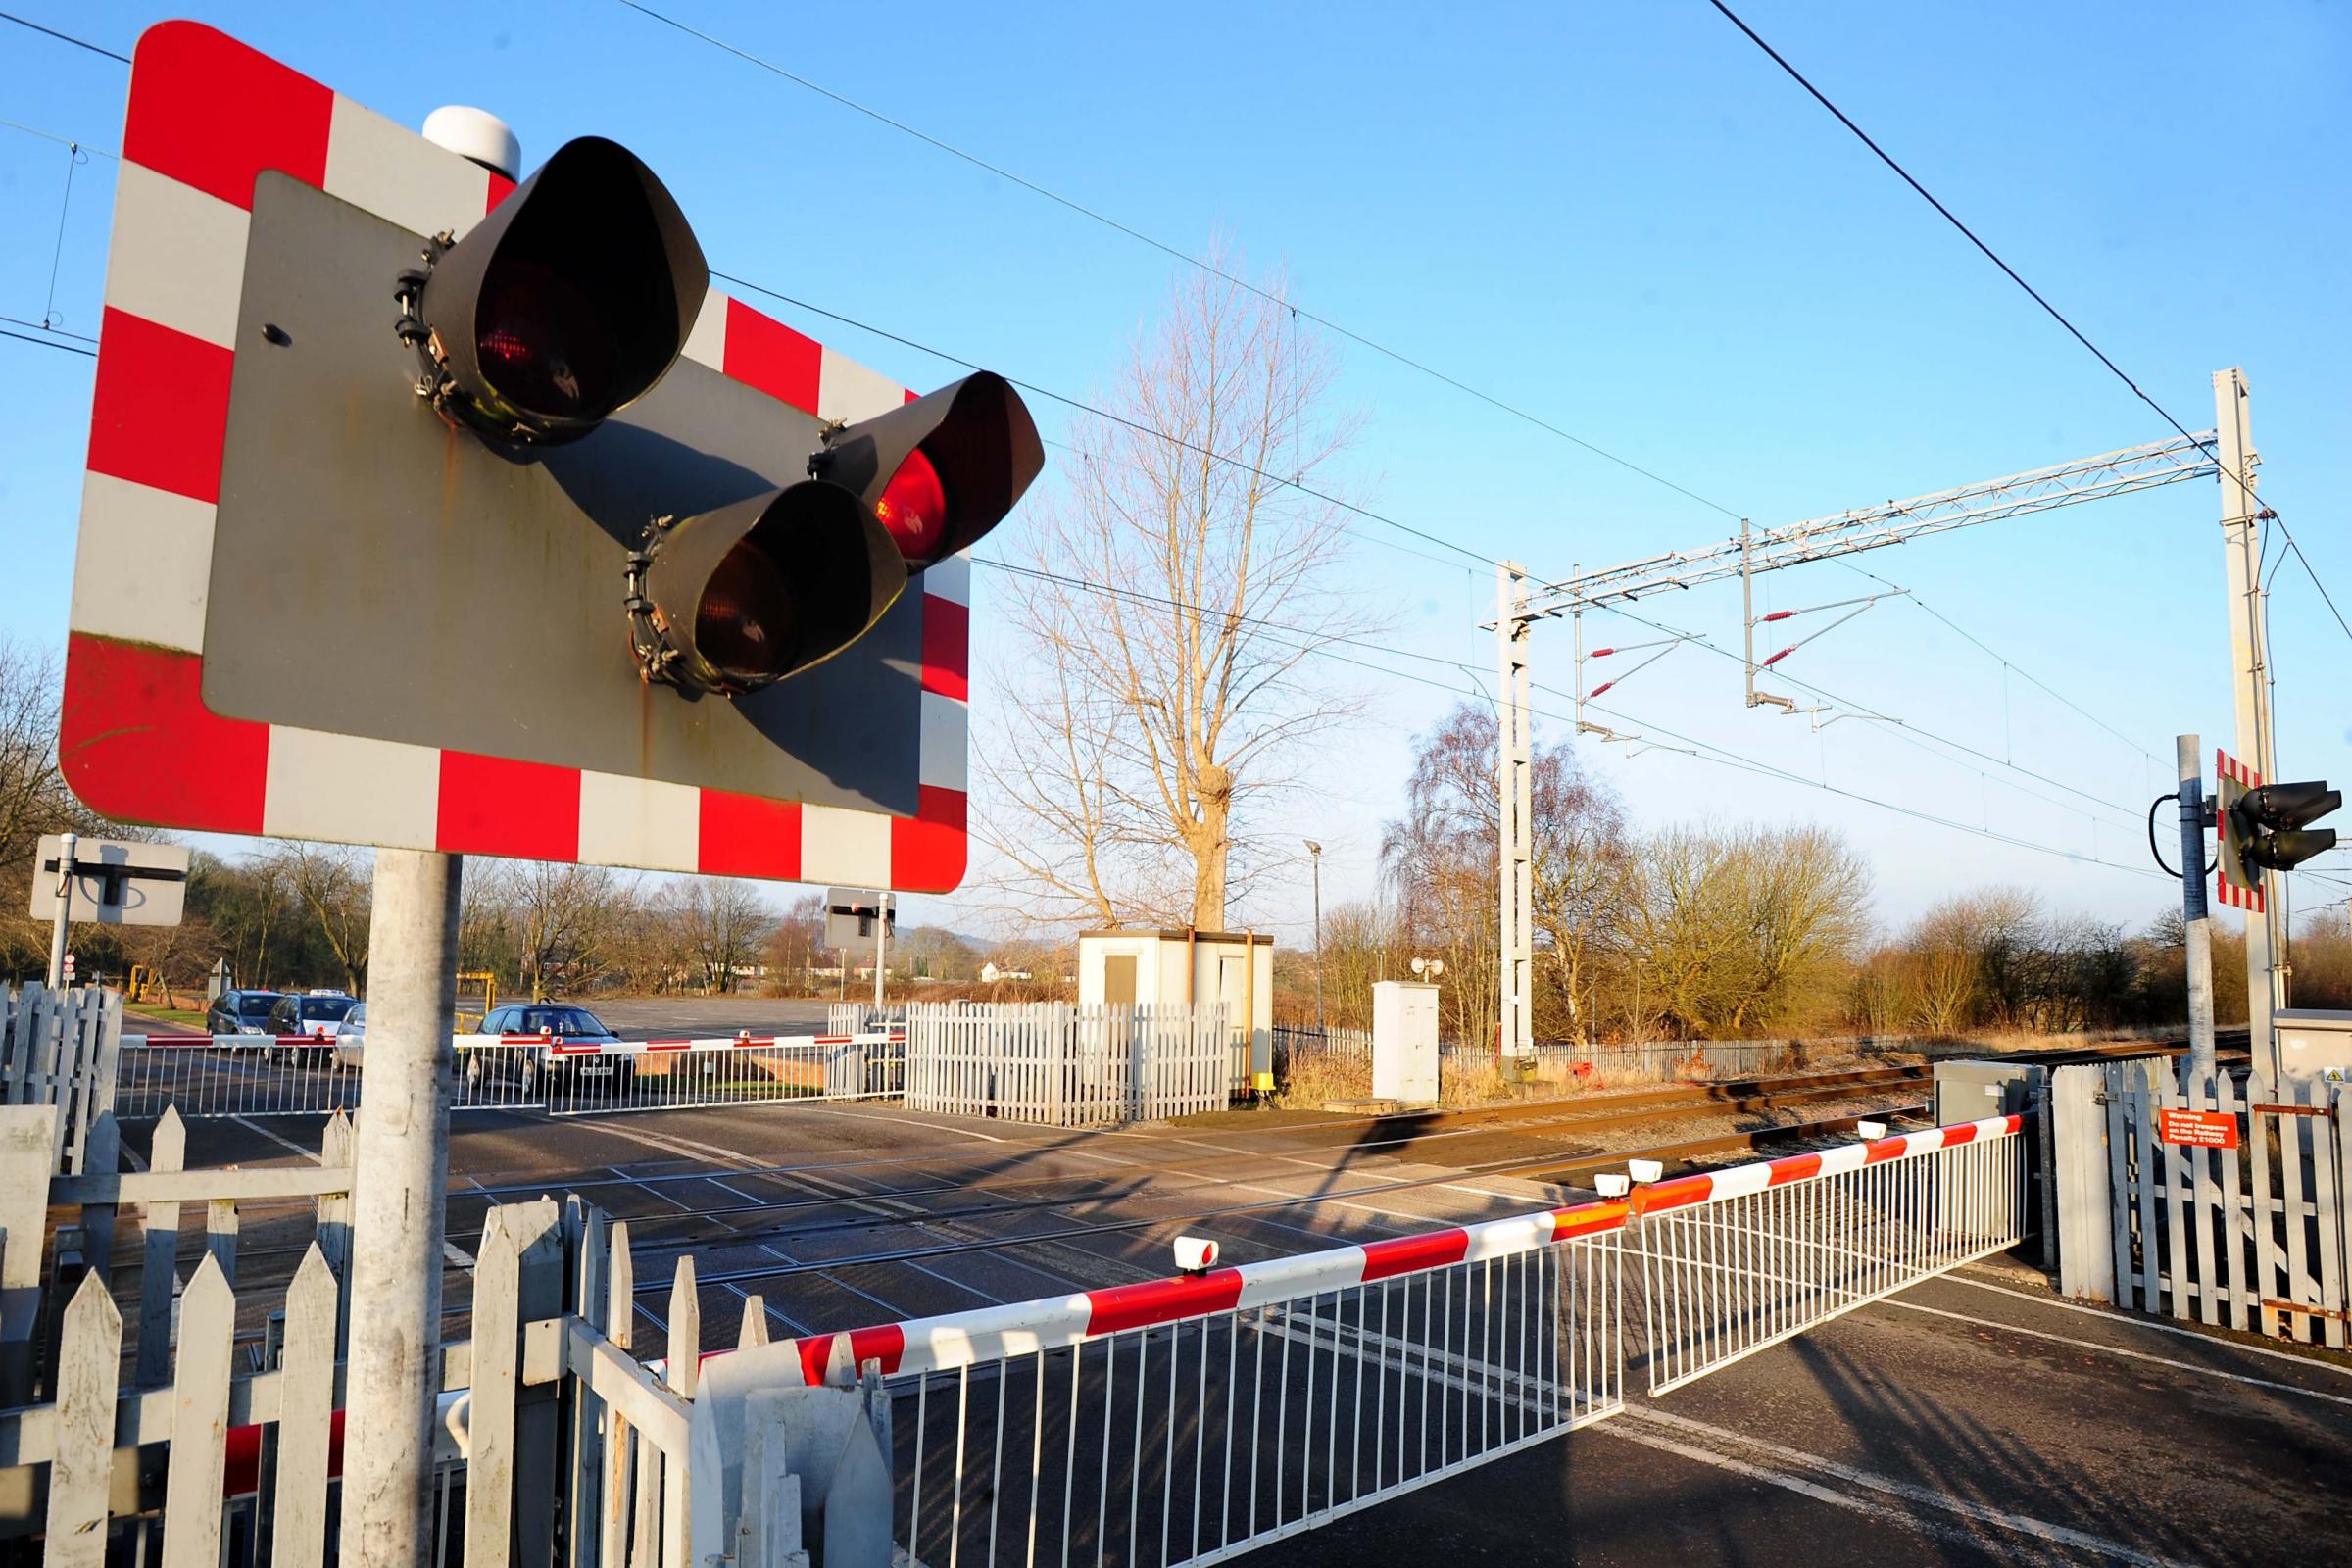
(648, 633)
(434, 383)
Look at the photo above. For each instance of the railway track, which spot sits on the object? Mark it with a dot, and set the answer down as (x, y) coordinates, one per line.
(1551, 1167)
(1467, 1135)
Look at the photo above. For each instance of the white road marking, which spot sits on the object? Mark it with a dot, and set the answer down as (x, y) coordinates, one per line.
(2118, 1351)
(2121, 1321)
(771, 1308)
(452, 1255)
(310, 1154)
(2062, 1535)
(1420, 1221)
(986, 1296)
(682, 1148)
(909, 1121)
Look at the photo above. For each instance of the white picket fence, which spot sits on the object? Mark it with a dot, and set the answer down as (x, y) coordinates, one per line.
(2255, 1235)
(553, 1444)
(60, 1048)
(1067, 1067)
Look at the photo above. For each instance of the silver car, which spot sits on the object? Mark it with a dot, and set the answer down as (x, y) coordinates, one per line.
(351, 1038)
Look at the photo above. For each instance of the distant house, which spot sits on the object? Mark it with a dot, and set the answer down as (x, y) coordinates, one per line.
(990, 974)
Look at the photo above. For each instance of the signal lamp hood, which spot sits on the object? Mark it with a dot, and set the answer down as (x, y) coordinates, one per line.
(735, 600)
(966, 451)
(566, 304)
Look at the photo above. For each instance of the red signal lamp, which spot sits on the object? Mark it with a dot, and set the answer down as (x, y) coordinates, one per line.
(913, 507)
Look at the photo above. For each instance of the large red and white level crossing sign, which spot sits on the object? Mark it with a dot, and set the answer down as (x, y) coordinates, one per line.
(2239, 884)
(208, 118)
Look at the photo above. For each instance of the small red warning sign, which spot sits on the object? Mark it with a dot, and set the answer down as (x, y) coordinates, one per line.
(2197, 1129)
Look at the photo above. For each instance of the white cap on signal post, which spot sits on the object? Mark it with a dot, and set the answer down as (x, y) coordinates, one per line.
(478, 135)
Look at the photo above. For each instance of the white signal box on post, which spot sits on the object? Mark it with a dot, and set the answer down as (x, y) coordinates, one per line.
(1404, 1042)
(115, 882)
(850, 916)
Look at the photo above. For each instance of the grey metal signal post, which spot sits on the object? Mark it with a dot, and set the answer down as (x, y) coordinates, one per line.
(65, 904)
(2196, 924)
(401, 1143)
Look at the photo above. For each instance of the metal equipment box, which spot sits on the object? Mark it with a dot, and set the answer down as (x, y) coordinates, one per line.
(2315, 1043)
(1971, 1091)
(1404, 1042)
(1975, 1090)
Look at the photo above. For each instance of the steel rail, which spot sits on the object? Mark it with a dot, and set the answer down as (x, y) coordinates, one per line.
(1549, 1165)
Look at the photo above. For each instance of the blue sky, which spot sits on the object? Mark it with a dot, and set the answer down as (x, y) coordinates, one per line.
(1623, 218)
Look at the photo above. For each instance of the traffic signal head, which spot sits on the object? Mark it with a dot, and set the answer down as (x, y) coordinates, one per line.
(941, 471)
(738, 598)
(2274, 823)
(567, 303)
(2267, 827)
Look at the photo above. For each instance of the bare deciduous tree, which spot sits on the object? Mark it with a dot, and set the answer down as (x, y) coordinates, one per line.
(564, 919)
(725, 924)
(333, 884)
(1441, 858)
(1138, 728)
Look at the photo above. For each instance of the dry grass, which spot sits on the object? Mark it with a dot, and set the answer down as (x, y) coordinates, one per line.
(1316, 1081)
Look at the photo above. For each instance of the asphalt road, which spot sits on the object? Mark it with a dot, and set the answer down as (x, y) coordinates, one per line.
(1973, 1420)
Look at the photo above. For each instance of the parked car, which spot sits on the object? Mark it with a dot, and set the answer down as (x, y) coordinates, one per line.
(313, 1012)
(240, 1013)
(534, 1063)
(351, 1037)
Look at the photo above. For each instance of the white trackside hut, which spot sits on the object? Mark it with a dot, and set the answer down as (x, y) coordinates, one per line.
(1186, 968)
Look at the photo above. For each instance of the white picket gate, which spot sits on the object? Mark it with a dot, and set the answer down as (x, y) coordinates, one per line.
(2255, 1235)
(1067, 1067)
(58, 1048)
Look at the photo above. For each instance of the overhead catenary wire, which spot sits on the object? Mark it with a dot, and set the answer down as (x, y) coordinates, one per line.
(2006, 662)
(1178, 253)
(50, 343)
(65, 38)
(1334, 326)
(1290, 482)
(1321, 645)
(1912, 734)
(2032, 293)
(1701, 750)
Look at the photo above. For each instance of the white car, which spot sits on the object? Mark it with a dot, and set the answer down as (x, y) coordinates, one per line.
(351, 1038)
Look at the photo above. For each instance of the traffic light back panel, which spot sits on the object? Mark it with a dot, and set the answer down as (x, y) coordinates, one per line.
(307, 606)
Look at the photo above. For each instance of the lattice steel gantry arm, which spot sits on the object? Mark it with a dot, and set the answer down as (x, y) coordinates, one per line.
(2115, 474)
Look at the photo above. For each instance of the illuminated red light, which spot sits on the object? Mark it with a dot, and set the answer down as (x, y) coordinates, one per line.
(541, 345)
(915, 509)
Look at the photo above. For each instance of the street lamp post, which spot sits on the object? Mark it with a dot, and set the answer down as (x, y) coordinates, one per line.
(1314, 854)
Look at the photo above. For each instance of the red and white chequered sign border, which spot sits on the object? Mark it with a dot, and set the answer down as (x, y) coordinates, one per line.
(207, 116)
(2226, 766)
